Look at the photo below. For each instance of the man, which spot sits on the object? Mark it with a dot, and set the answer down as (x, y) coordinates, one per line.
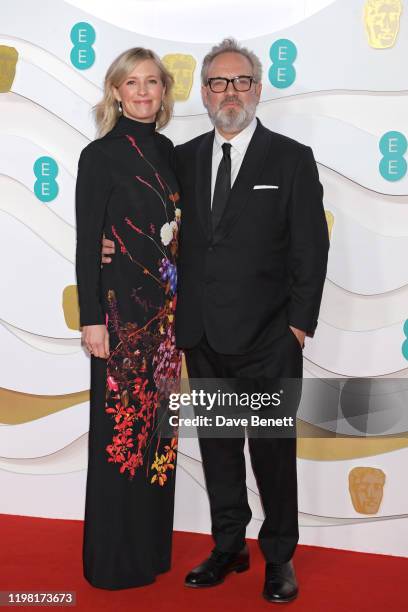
(252, 264)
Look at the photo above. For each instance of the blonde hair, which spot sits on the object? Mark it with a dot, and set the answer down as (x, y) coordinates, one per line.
(107, 112)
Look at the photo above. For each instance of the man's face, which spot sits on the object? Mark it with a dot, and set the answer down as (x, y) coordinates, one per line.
(231, 111)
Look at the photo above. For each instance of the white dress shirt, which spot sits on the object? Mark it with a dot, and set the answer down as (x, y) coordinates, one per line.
(239, 145)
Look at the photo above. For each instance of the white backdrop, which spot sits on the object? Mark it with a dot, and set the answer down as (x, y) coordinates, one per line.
(346, 95)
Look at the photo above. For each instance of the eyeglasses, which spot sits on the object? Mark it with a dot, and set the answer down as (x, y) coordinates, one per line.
(239, 83)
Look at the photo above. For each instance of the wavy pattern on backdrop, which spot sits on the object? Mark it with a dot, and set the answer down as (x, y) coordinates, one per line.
(65, 453)
(342, 113)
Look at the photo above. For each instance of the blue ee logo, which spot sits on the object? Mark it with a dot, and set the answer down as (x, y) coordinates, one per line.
(405, 343)
(393, 165)
(82, 37)
(282, 73)
(46, 171)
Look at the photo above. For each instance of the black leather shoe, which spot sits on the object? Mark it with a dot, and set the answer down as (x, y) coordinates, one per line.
(280, 582)
(218, 565)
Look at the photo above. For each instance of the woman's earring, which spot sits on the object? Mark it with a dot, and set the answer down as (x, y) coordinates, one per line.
(162, 107)
(120, 106)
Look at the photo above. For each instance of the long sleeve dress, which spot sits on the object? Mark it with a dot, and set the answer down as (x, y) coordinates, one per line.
(126, 189)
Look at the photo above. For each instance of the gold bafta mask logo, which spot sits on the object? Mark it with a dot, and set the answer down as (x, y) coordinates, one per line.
(70, 307)
(382, 19)
(366, 486)
(182, 68)
(330, 221)
(8, 61)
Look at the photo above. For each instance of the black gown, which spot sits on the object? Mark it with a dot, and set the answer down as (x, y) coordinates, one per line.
(126, 189)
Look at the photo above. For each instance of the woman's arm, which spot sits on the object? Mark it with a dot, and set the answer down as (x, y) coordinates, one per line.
(92, 194)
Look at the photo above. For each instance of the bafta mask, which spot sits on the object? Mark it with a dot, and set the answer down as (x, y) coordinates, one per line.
(8, 61)
(382, 19)
(366, 486)
(182, 68)
(70, 307)
(330, 221)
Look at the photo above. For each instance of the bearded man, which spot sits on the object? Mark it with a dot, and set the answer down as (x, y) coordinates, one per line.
(252, 264)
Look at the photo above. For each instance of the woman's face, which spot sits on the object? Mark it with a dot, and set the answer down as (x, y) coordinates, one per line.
(141, 93)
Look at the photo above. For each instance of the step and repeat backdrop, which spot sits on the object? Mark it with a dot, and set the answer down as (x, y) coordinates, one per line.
(334, 78)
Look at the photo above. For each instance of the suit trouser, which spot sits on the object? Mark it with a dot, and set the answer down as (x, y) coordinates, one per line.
(273, 458)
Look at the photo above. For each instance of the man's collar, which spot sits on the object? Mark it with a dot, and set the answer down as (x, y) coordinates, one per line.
(240, 141)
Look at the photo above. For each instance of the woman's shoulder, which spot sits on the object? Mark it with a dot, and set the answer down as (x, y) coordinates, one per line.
(96, 150)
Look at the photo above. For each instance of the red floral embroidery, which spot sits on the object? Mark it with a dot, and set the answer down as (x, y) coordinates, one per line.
(119, 239)
(144, 363)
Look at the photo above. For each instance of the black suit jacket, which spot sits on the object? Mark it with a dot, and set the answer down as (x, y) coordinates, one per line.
(264, 267)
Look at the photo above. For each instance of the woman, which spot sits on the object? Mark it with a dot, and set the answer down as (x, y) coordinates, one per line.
(127, 190)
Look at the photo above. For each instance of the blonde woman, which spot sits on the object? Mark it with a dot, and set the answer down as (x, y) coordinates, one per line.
(126, 190)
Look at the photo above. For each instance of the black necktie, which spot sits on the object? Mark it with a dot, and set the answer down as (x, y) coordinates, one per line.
(222, 185)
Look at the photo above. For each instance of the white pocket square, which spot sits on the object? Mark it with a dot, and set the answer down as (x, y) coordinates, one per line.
(266, 186)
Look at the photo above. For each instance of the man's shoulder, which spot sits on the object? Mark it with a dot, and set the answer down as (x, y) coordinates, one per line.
(284, 143)
(193, 144)
(287, 145)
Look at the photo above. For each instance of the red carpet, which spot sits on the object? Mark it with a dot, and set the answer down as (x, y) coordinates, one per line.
(45, 555)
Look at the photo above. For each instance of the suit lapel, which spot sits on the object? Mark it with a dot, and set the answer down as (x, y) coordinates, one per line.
(203, 182)
(242, 189)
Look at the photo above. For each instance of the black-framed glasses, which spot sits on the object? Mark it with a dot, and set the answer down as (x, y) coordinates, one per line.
(239, 83)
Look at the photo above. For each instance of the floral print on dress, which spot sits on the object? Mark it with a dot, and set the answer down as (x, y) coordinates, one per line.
(145, 365)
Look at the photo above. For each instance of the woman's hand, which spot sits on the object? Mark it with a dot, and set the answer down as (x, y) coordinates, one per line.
(95, 338)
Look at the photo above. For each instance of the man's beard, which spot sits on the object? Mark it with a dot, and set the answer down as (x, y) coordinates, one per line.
(231, 120)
